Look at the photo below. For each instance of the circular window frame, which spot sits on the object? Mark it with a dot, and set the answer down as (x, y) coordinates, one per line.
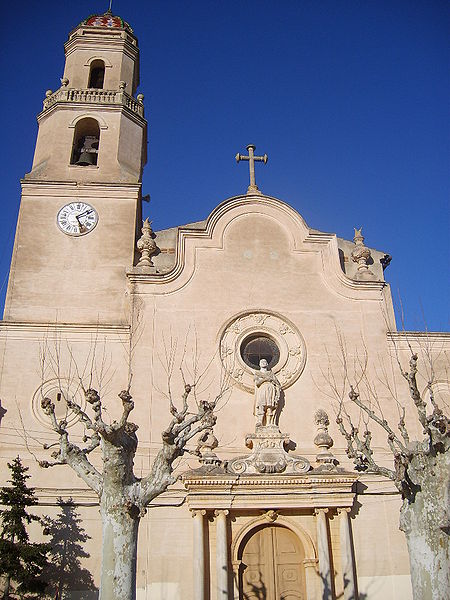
(269, 324)
(48, 389)
(258, 336)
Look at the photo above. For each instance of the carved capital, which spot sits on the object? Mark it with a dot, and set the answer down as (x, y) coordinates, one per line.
(343, 509)
(311, 562)
(224, 512)
(197, 513)
(318, 511)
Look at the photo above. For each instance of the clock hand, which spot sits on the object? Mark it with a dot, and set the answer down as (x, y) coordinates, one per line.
(81, 227)
(86, 212)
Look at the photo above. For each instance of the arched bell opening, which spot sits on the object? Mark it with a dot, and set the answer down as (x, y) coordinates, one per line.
(96, 74)
(271, 564)
(86, 141)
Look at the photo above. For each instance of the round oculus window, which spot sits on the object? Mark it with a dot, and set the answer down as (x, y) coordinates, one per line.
(256, 347)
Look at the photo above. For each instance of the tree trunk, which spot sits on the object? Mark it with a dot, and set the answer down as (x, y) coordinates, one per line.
(425, 524)
(5, 586)
(120, 534)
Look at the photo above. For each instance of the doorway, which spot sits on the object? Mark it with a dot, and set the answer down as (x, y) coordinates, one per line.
(272, 566)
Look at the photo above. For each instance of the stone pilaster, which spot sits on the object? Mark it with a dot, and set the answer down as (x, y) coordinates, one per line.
(324, 553)
(222, 554)
(199, 554)
(310, 565)
(348, 569)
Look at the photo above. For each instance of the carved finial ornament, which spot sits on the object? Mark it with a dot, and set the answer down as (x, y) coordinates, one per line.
(361, 255)
(252, 188)
(324, 441)
(146, 245)
(206, 445)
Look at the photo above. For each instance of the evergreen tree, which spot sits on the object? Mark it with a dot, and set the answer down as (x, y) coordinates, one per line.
(21, 561)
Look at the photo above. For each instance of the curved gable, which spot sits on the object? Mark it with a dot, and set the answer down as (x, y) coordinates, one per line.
(244, 235)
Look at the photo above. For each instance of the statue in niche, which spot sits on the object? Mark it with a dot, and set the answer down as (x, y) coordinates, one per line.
(267, 395)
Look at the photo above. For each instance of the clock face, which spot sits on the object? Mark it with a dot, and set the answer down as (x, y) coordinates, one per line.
(77, 218)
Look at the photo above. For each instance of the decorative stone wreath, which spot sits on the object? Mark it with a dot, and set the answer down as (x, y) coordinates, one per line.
(57, 389)
(248, 325)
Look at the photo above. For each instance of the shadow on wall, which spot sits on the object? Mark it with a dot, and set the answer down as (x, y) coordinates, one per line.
(67, 579)
(258, 591)
(327, 594)
(255, 590)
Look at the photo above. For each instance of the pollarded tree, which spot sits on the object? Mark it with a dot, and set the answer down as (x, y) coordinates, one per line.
(123, 496)
(421, 468)
(21, 561)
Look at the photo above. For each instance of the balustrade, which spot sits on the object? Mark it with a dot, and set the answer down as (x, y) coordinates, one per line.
(94, 96)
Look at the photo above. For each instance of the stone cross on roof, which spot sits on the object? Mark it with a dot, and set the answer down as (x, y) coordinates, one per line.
(252, 188)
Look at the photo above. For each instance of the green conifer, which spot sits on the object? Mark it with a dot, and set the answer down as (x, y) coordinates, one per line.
(21, 561)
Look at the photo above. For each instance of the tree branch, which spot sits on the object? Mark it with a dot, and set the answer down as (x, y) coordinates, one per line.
(175, 438)
(359, 450)
(392, 438)
(420, 405)
(69, 453)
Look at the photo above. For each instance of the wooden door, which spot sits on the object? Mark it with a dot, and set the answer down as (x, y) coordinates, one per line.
(272, 566)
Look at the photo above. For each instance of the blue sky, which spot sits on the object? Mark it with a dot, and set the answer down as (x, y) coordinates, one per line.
(348, 99)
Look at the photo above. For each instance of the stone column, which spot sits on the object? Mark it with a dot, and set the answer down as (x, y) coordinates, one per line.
(310, 565)
(199, 554)
(222, 554)
(324, 553)
(348, 571)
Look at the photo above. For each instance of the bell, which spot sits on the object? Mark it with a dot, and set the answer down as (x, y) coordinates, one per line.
(87, 158)
(88, 149)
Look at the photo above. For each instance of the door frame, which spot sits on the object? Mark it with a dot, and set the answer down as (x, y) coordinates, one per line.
(309, 563)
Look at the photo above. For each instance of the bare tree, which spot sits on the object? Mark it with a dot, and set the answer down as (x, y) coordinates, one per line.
(123, 496)
(421, 467)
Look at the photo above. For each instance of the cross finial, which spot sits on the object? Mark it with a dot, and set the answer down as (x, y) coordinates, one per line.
(252, 188)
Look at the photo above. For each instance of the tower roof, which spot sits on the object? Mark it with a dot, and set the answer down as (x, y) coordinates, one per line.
(108, 20)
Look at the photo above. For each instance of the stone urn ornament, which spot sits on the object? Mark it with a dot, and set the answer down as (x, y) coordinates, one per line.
(146, 245)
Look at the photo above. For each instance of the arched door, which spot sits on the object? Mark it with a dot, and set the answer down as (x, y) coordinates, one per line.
(272, 566)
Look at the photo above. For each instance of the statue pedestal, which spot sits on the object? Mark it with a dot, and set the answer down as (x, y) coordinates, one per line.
(269, 454)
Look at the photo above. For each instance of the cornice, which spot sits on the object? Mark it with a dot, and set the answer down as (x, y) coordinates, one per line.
(347, 479)
(92, 107)
(90, 38)
(21, 327)
(263, 492)
(38, 187)
(419, 337)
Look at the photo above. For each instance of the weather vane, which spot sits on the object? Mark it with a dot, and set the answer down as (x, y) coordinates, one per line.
(251, 159)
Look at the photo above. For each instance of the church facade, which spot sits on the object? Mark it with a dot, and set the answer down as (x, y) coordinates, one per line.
(251, 305)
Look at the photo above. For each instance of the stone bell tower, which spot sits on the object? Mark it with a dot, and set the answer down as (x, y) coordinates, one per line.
(81, 201)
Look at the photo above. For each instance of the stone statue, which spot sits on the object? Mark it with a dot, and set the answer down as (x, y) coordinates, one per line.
(267, 395)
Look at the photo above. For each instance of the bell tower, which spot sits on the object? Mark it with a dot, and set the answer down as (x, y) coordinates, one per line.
(81, 201)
